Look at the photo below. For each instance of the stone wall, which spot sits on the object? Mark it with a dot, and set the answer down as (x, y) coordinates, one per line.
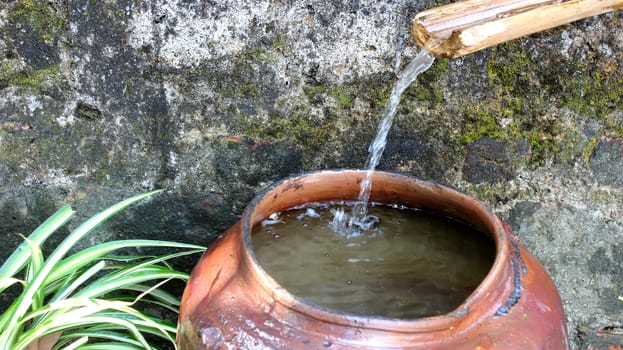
(216, 99)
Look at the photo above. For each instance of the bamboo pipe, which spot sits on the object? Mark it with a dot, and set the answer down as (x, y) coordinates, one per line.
(460, 28)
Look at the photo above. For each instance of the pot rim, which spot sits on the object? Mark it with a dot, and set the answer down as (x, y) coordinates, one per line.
(492, 289)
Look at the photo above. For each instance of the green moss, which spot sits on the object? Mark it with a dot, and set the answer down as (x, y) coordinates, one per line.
(247, 89)
(374, 91)
(522, 92)
(509, 77)
(37, 23)
(377, 92)
(589, 148)
(543, 147)
(249, 78)
(479, 123)
(11, 151)
(38, 14)
(593, 88)
(34, 79)
(546, 135)
(281, 43)
(7, 71)
(313, 131)
(485, 192)
(342, 95)
(253, 55)
(605, 196)
(38, 78)
(594, 91)
(612, 127)
(429, 83)
(311, 134)
(513, 82)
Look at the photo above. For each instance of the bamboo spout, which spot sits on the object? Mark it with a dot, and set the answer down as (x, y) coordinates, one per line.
(464, 27)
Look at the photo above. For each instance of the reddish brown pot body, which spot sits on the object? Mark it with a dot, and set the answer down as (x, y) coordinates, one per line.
(230, 302)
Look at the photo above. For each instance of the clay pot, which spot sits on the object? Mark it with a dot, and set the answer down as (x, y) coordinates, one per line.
(230, 302)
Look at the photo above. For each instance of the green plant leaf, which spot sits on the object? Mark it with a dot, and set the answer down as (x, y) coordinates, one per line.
(112, 346)
(86, 256)
(146, 324)
(158, 297)
(97, 334)
(66, 290)
(6, 282)
(76, 307)
(24, 301)
(62, 308)
(75, 344)
(82, 312)
(71, 322)
(36, 260)
(32, 269)
(79, 306)
(16, 261)
(145, 329)
(78, 281)
(118, 281)
(4, 321)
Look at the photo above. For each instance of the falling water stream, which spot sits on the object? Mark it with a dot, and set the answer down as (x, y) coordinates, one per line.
(351, 224)
(371, 259)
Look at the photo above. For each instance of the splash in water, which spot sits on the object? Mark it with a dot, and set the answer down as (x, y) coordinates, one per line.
(359, 219)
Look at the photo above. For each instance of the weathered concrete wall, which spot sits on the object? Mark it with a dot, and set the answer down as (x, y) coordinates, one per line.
(216, 99)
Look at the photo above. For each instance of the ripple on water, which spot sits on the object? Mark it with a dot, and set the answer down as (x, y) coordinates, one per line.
(412, 264)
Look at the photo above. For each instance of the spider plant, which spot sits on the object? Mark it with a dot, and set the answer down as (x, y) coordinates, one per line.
(89, 299)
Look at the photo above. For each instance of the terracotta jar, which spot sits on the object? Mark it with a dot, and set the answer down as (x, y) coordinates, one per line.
(230, 302)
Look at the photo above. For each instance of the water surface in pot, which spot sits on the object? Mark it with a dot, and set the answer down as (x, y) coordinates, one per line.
(412, 264)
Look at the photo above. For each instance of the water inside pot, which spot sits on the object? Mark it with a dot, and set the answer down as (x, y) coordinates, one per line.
(412, 264)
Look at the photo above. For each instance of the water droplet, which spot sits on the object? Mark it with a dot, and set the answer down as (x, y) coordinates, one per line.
(370, 222)
(312, 213)
(349, 282)
(275, 235)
